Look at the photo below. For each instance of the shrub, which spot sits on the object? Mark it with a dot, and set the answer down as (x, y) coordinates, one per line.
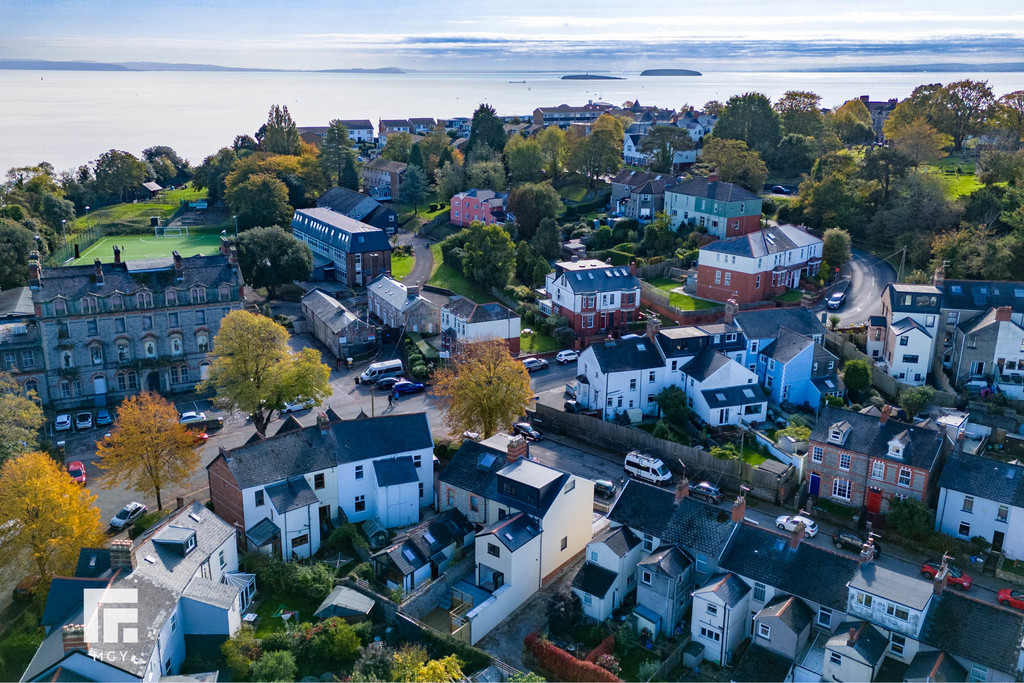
(584, 208)
(647, 669)
(519, 292)
(627, 247)
(610, 664)
(563, 665)
(564, 336)
(626, 639)
(240, 652)
(419, 371)
(278, 640)
(564, 611)
(363, 570)
(440, 645)
(606, 646)
(274, 666)
(314, 581)
(346, 532)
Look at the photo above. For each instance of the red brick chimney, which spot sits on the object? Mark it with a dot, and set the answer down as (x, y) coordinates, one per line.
(179, 266)
(852, 636)
(731, 308)
(739, 508)
(73, 637)
(1003, 314)
(796, 535)
(122, 555)
(683, 489)
(867, 551)
(322, 422)
(517, 448)
(632, 268)
(886, 412)
(99, 271)
(713, 176)
(117, 255)
(939, 582)
(35, 272)
(225, 245)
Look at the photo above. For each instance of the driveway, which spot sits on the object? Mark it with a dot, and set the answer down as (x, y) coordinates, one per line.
(868, 276)
(424, 264)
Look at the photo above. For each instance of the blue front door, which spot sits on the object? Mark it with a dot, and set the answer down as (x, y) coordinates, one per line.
(815, 484)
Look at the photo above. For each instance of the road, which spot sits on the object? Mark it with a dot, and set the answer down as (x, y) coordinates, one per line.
(424, 263)
(868, 276)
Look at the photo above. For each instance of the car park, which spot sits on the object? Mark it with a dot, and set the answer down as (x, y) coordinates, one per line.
(954, 577)
(851, 540)
(62, 423)
(567, 356)
(789, 522)
(297, 406)
(192, 416)
(407, 387)
(1011, 597)
(534, 364)
(128, 514)
(526, 430)
(76, 470)
(836, 300)
(707, 492)
(83, 420)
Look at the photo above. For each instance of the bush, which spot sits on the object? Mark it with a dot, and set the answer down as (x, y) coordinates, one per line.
(626, 639)
(910, 518)
(610, 664)
(18, 648)
(563, 665)
(583, 208)
(647, 669)
(274, 666)
(363, 570)
(419, 371)
(440, 645)
(768, 207)
(276, 641)
(519, 292)
(147, 521)
(606, 646)
(346, 532)
(627, 247)
(314, 581)
(240, 652)
(564, 336)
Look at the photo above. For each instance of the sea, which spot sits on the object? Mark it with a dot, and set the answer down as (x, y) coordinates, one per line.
(69, 118)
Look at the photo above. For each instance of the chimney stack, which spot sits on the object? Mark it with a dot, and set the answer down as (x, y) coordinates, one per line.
(412, 291)
(1003, 314)
(798, 533)
(739, 508)
(322, 422)
(225, 245)
(653, 326)
(713, 176)
(632, 268)
(867, 552)
(233, 256)
(99, 271)
(683, 489)
(73, 637)
(179, 503)
(517, 448)
(35, 271)
(122, 555)
(179, 266)
(731, 308)
(117, 255)
(939, 278)
(886, 412)
(939, 582)
(851, 637)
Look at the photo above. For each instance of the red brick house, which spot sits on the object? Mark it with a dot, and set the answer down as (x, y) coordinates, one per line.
(487, 206)
(597, 298)
(859, 459)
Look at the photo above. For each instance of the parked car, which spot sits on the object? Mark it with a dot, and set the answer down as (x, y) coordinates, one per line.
(387, 383)
(567, 356)
(26, 588)
(954, 577)
(527, 430)
(604, 487)
(851, 540)
(779, 189)
(104, 417)
(191, 416)
(201, 437)
(62, 423)
(707, 492)
(789, 522)
(577, 408)
(77, 471)
(83, 420)
(1011, 597)
(128, 514)
(297, 406)
(647, 468)
(836, 300)
(534, 364)
(407, 387)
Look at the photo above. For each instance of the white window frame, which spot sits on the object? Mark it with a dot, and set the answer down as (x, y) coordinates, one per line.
(877, 465)
(817, 454)
(909, 477)
(764, 630)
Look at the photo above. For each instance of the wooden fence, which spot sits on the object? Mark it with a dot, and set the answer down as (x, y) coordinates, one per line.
(671, 662)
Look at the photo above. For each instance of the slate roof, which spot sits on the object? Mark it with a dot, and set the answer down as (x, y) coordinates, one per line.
(212, 593)
(815, 574)
(975, 630)
(467, 310)
(740, 395)
(343, 602)
(787, 345)
(299, 452)
(869, 642)
(765, 323)
(474, 467)
(980, 322)
(393, 293)
(718, 191)
(592, 276)
(263, 532)
(514, 532)
(619, 540)
(624, 355)
(761, 665)
(339, 231)
(358, 124)
(349, 202)
(765, 242)
(904, 325)
(332, 312)
(729, 588)
(978, 295)
(669, 560)
(694, 526)
(439, 532)
(984, 478)
(871, 437)
(548, 480)
(16, 303)
(924, 298)
(395, 471)
(594, 579)
(130, 277)
(382, 164)
(705, 364)
(936, 667)
(790, 610)
(907, 590)
(406, 557)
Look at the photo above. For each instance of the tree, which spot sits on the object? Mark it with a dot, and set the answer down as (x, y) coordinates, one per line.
(261, 199)
(444, 670)
(20, 418)
(920, 141)
(1010, 114)
(528, 677)
(595, 155)
(46, 514)
(274, 666)
(16, 243)
(148, 448)
(374, 664)
(552, 145)
(118, 173)
(279, 134)
(532, 203)
(485, 175)
(797, 429)
(966, 106)
(245, 142)
(565, 611)
(833, 322)
(525, 159)
(398, 147)
(736, 163)
(662, 143)
(449, 180)
(255, 371)
(613, 125)
(241, 651)
(486, 129)
(213, 172)
(857, 377)
(349, 175)
(836, 246)
(271, 256)
(672, 403)
(659, 239)
(915, 399)
(547, 240)
(336, 643)
(885, 165)
(795, 155)
(416, 157)
(435, 150)
(335, 151)
(751, 119)
(910, 518)
(726, 451)
(852, 123)
(800, 113)
(712, 107)
(413, 188)
(483, 389)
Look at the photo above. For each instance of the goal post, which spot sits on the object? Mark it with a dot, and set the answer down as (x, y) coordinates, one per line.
(173, 231)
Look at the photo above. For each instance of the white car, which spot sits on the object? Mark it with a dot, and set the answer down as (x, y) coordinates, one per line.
(128, 514)
(83, 421)
(789, 522)
(567, 356)
(296, 407)
(533, 364)
(63, 422)
(191, 416)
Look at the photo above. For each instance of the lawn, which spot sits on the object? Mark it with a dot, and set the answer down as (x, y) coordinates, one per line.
(164, 206)
(751, 456)
(632, 660)
(684, 302)
(449, 278)
(957, 175)
(537, 342)
(136, 247)
(271, 624)
(401, 266)
(793, 296)
(574, 193)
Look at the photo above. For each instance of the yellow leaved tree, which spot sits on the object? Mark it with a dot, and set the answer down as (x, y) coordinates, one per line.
(148, 448)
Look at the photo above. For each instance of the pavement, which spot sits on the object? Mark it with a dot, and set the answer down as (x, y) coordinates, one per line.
(868, 276)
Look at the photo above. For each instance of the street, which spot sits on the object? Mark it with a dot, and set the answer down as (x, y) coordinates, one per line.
(869, 276)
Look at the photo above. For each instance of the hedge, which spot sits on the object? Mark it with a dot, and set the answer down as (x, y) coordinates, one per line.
(583, 208)
(618, 258)
(563, 665)
(605, 647)
(426, 350)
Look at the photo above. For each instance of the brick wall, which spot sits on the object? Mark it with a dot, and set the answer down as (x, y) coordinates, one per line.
(225, 494)
(859, 478)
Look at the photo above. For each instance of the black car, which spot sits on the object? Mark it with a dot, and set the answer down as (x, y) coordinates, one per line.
(527, 431)
(851, 540)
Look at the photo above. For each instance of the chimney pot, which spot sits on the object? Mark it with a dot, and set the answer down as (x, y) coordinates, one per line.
(886, 412)
(122, 555)
(653, 327)
(632, 268)
(713, 176)
(798, 533)
(322, 422)
(517, 448)
(73, 637)
(117, 255)
(683, 489)
(867, 552)
(99, 271)
(851, 637)
(739, 509)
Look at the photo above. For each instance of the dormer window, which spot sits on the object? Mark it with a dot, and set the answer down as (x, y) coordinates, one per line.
(172, 297)
(190, 544)
(198, 295)
(839, 431)
(144, 300)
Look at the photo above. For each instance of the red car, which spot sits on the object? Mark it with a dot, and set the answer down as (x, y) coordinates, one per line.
(201, 437)
(954, 577)
(1009, 597)
(77, 471)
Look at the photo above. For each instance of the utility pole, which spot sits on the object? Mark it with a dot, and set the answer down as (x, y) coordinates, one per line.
(903, 260)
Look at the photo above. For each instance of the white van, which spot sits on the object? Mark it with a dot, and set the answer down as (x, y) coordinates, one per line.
(647, 468)
(387, 368)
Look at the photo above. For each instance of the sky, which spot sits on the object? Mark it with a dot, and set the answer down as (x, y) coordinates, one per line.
(515, 35)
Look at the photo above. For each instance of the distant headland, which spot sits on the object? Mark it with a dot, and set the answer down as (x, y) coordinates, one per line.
(670, 72)
(590, 77)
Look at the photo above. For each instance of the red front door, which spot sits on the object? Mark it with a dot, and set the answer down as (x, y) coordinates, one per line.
(874, 501)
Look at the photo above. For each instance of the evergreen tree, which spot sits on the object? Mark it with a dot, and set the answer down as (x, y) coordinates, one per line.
(349, 175)
(486, 129)
(416, 157)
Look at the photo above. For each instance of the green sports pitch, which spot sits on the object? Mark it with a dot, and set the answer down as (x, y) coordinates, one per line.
(135, 247)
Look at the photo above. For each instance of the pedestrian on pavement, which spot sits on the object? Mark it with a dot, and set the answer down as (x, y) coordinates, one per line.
(391, 402)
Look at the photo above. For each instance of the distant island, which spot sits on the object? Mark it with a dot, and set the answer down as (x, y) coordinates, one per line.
(590, 77)
(47, 65)
(670, 72)
(382, 70)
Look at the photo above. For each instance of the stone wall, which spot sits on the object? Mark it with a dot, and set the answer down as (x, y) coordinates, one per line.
(424, 599)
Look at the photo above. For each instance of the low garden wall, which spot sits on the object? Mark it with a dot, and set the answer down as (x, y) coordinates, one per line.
(423, 600)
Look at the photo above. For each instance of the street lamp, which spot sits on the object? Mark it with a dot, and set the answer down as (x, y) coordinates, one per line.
(87, 224)
(64, 230)
(236, 225)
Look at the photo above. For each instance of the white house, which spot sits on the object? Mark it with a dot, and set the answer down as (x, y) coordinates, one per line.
(463, 321)
(854, 653)
(720, 616)
(983, 497)
(609, 574)
(909, 338)
(285, 491)
(631, 152)
(721, 391)
(621, 374)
